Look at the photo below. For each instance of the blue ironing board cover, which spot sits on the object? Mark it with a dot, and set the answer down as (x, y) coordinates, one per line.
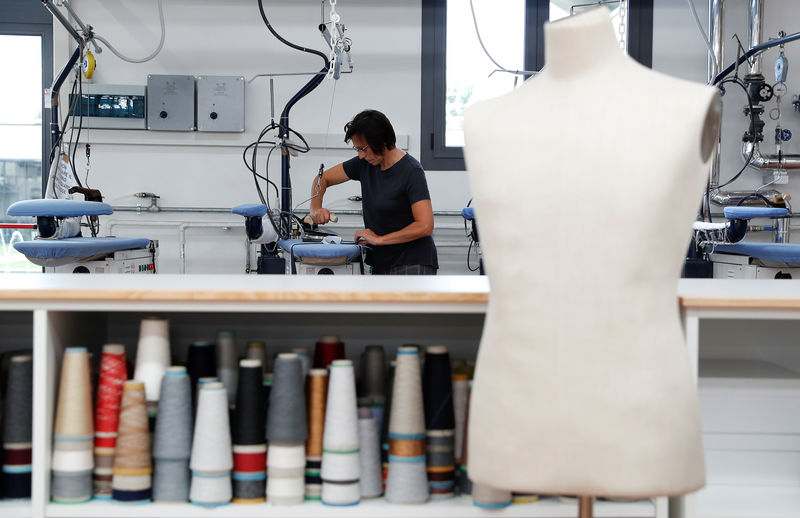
(77, 247)
(320, 250)
(250, 210)
(753, 212)
(468, 213)
(59, 208)
(778, 252)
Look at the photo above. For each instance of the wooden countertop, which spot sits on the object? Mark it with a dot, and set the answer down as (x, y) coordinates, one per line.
(469, 290)
(243, 288)
(757, 294)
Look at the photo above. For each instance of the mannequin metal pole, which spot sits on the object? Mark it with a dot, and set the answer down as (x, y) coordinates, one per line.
(585, 506)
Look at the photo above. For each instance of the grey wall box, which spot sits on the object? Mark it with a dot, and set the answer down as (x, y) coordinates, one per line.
(170, 103)
(220, 103)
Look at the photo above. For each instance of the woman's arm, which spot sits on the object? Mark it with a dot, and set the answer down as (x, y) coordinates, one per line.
(421, 227)
(333, 176)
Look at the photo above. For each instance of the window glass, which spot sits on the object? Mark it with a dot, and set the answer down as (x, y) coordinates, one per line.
(20, 140)
(469, 74)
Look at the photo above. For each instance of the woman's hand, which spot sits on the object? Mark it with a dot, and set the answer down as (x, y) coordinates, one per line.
(320, 215)
(367, 236)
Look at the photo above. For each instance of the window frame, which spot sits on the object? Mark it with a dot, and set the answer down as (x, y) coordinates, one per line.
(30, 18)
(434, 155)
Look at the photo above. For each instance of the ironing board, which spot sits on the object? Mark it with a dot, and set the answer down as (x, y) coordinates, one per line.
(786, 253)
(59, 208)
(321, 253)
(57, 252)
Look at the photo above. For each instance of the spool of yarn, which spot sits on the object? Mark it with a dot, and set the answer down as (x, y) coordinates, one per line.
(286, 483)
(327, 349)
(460, 387)
(227, 363)
(152, 358)
(407, 480)
(317, 397)
(305, 359)
(172, 440)
(258, 351)
(249, 431)
(212, 457)
(523, 498)
(17, 427)
(211, 446)
(375, 375)
(202, 361)
(267, 390)
(73, 460)
(249, 418)
(286, 417)
(132, 481)
(286, 432)
(384, 429)
(340, 452)
(463, 482)
(371, 478)
(171, 480)
(112, 376)
(440, 422)
(487, 497)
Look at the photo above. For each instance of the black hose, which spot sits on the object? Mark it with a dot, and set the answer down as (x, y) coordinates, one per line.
(753, 51)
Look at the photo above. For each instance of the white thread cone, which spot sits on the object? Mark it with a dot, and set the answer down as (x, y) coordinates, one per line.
(152, 355)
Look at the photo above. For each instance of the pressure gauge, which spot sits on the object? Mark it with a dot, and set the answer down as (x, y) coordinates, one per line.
(780, 89)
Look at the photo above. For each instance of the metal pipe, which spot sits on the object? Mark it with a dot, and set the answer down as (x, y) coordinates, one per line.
(726, 198)
(715, 27)
(760, 161)
(755, 25)
(140, 208)
(182, 226)
(352, 212)
(782, 230)
(63, 20)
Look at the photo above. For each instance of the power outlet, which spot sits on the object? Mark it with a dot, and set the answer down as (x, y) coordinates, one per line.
(780, 177)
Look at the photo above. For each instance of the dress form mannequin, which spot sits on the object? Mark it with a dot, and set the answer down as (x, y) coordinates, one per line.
(582, 384)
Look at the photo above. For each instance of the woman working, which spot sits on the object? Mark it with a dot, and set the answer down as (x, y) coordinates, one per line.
(398, 216)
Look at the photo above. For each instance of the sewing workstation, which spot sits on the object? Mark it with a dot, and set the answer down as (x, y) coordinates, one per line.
(418, 258)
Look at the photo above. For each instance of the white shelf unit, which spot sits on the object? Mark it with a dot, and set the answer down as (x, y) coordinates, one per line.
(746, 336)
(69, 310)
(453, 508)
(15, 509)
(16, 334)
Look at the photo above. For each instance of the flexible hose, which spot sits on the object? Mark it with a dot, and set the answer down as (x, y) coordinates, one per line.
(151, 56)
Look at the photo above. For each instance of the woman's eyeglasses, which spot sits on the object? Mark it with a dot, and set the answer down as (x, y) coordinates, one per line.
(362, 149)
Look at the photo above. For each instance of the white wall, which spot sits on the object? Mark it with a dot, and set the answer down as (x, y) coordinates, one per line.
(228, 37)
(206, 170)
(678, 50)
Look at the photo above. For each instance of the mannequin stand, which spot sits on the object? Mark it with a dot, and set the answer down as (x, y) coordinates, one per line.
(585, 504)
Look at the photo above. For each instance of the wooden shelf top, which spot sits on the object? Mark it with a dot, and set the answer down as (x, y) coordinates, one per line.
(744, 294)
(244, 288)
(31, 290)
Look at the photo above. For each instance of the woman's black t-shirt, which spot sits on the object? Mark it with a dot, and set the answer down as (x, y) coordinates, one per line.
(387, 197)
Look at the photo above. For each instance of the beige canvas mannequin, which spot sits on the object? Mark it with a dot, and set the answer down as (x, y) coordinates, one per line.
(586, 180)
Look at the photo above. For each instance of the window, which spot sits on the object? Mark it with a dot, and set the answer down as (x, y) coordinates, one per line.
(456, 72)
(26, 49)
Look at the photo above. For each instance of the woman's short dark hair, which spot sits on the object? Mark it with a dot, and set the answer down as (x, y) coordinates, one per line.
(374, 127)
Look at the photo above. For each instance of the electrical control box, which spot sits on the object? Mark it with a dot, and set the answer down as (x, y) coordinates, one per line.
(110, 106)
(170, 103)
(220, 103)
